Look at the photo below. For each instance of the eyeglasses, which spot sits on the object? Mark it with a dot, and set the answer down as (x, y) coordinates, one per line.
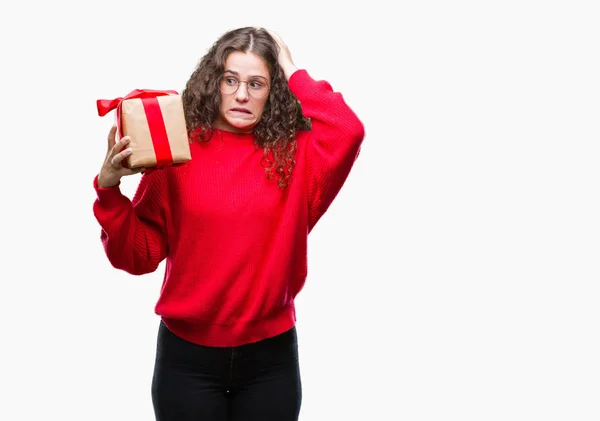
(257, 87)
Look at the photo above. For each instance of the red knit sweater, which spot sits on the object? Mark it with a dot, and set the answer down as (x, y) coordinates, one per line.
(235, 244)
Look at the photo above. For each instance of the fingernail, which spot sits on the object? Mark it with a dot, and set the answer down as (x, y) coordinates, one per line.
(126, 139)
(128, 150)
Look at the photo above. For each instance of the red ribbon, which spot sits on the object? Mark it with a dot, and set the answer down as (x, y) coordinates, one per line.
(156, 123)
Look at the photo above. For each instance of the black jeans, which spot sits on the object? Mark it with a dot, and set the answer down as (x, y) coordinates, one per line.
(254, 382)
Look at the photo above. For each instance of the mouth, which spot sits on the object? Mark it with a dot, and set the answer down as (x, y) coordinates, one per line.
(240, 111)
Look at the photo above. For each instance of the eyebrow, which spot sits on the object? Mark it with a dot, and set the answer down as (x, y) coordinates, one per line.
(237, 74)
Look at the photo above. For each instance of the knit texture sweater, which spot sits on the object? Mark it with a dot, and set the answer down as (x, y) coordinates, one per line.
(235, 243)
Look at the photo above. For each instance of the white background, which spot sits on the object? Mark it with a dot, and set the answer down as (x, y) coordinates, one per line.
(456, 277)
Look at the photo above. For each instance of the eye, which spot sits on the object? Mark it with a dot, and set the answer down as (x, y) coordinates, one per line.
(231, 81)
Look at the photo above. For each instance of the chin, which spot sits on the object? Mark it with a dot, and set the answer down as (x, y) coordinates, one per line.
(242, 125)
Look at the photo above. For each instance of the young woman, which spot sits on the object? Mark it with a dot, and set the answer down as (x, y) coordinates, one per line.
(271, 148)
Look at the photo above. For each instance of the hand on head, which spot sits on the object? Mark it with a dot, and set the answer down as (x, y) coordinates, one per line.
(285, 56)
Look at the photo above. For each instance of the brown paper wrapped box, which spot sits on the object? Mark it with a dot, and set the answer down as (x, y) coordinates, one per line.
(155, 121)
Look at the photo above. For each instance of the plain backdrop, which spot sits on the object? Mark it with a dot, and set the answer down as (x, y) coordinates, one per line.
(456, 276)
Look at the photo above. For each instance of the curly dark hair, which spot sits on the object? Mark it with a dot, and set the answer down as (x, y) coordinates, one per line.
(276, 131)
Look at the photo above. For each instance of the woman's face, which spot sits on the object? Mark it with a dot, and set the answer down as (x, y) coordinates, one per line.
(244, 91)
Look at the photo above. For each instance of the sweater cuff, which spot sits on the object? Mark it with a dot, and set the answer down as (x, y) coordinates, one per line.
(109, 197)
(298, 79)
(305, 87)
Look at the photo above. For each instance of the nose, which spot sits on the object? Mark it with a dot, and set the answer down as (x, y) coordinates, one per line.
(242, 93)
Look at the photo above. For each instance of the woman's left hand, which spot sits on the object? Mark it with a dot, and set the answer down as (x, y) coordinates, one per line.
(285, 56)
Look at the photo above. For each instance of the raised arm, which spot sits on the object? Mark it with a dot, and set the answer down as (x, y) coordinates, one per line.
(336, 137)
(133, 233)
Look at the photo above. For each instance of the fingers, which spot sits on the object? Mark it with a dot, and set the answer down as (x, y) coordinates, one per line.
(278, 41)
(120, 144)
(285, 56)
(111, 136)
(113, 153)
(117, 155)
(275, 36)
(115, 146)
(117, 152)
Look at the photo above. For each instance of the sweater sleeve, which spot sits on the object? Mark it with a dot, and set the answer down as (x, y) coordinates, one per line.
(334, 144)
(133, 233)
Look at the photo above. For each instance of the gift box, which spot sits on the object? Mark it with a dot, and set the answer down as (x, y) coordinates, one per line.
(155, 122)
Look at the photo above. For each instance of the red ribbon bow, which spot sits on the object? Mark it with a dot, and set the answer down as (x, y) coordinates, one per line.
(107, 105)
(156, 123)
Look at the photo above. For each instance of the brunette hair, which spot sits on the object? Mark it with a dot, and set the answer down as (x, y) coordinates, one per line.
(282, 117)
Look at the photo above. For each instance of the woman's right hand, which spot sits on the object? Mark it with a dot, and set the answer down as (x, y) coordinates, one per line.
(112, 170)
